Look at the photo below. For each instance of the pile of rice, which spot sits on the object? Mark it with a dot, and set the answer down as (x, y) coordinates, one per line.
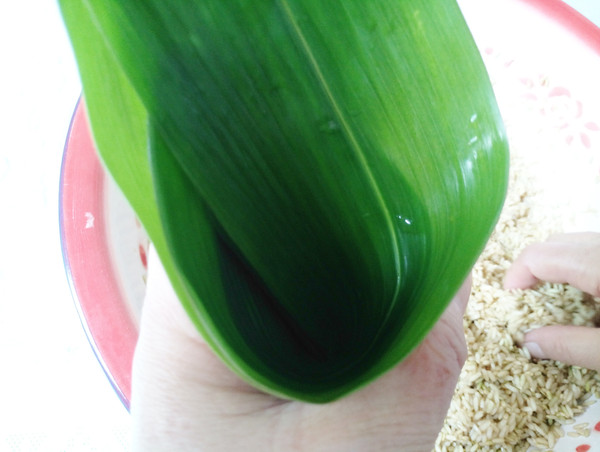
(504, 401)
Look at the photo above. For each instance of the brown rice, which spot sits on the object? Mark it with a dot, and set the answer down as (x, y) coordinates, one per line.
(504, 401)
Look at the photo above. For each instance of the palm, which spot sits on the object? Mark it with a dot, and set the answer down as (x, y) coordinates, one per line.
(199, 404)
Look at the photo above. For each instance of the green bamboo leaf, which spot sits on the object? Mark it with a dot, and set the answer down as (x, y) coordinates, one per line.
(326, 173)
(119, 126)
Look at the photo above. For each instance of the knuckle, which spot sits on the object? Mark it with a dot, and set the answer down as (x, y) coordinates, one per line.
(596, 287)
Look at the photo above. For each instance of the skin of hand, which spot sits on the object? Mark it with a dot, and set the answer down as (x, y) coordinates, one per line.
(185, 399)
(574, 259)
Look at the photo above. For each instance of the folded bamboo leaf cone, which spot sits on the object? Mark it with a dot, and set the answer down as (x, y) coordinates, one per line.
(321, 176)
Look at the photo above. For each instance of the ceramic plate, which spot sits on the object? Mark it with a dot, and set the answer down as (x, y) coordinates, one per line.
(104, 249)
(544, 61)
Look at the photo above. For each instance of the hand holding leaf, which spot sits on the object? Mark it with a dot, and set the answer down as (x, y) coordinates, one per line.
(321, 176)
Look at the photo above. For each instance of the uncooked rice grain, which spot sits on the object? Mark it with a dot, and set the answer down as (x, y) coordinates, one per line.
(504, 401)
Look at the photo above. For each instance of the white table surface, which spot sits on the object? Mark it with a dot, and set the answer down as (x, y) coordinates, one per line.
(53, 394)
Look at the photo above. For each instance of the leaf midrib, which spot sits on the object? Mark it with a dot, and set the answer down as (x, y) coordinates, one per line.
(355, 145)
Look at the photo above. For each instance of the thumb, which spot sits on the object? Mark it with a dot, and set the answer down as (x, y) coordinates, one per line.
(575, 345)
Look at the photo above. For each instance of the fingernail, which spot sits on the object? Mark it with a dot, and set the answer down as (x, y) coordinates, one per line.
(534, 350)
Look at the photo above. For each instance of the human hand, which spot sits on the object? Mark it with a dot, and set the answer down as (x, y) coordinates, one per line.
(565, 258)
(184, 398)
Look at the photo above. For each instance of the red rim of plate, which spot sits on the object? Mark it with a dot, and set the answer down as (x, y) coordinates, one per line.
(94, 285)
(570, 19)
(99, 300)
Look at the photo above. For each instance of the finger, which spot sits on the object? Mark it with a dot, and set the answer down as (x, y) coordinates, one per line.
(462, 296)
(572, 261)
(576, 345)
(454, 313)
(158, 286)
(519, 275)
(450, 326)
(161, 305)
(588, 237)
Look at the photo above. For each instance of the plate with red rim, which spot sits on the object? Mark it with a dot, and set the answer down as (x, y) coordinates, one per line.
(104, 249)
(544, 61)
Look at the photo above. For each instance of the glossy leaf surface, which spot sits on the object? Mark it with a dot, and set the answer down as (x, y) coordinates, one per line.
(325, 173)
(119, 122)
